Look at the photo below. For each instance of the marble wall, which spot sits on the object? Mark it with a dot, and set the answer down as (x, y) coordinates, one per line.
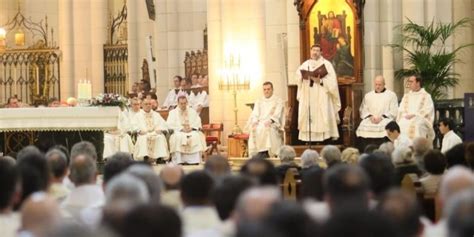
(179, 28)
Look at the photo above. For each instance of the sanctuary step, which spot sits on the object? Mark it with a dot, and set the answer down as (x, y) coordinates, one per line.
(237, 162)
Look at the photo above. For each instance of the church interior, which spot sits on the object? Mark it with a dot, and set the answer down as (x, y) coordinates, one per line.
(234, 117)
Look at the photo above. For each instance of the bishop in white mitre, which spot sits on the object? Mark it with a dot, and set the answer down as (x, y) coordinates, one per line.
(186, 142)
(319, 102)
(118, 139)
(378, 108)
(266, 124)
(416, 111)
(151, 142)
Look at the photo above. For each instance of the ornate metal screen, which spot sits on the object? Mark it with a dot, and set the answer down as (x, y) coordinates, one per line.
(116, 69)
(31, 75)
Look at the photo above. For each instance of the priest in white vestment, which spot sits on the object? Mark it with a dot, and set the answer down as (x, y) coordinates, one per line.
(119, 139)
(416, 111)
(450, 138)
(187, 142)
(200, 100)
(266, 124)
(322, 99)
(378, 108)
(135, 109)
(172, 98)
(151, 142)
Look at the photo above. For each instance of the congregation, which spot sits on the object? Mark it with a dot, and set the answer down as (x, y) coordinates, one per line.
(59, 193)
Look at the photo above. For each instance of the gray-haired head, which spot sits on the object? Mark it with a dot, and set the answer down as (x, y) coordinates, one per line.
(402, 156)
(287, 154)
(421, 145)
(150, 178)
(387, 148)
(331, 154)
(8, 159)
(309, 158)
(83, 148)
(459, 212)
(127, 190)
(57, 163)
(456, 179)
(83, 170)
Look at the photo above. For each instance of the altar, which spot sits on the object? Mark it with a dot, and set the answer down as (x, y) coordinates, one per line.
(45, 127)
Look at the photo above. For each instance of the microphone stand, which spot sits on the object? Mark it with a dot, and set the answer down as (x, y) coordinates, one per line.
(309, 105)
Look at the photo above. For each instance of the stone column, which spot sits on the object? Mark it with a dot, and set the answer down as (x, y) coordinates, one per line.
(275, 47)
(66, 44)
(133, 65)
(461, 9)
(372, 46)
(98, 37)
(293, 39)
(390, 18)
(234, 33)
(82, 41)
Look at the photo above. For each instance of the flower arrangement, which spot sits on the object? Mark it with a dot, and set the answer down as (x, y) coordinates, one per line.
(109, 99)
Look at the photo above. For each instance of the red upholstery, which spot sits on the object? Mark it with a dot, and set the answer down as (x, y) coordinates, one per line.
(211, 139)
(242, 136)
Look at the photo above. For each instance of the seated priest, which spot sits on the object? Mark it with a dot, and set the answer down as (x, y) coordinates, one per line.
(378, 108)
(199, 99)
(151, 142)
(171, 99)
(118, 139)
(187, 142)
(416, 111)
(266, 124)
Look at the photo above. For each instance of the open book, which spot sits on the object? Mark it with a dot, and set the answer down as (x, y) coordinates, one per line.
(319, 72)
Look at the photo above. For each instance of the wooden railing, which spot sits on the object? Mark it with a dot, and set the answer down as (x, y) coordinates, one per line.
(453, 109)
(116, 69)
(32, 75)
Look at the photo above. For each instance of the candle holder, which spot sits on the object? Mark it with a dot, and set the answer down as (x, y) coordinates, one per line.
(234, 79)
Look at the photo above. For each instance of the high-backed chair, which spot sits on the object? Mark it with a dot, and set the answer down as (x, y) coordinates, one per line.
(213, 132)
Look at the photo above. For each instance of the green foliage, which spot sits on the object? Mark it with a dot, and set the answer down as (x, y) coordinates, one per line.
(428, 55)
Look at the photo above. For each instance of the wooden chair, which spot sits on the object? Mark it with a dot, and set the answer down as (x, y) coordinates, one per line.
(213, 133)
(430, 204)
(289, 185)
(411, 184)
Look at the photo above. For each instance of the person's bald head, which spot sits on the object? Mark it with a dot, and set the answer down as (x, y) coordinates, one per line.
(171, 176)
(256, 202)
(379, 83)
(40, 214)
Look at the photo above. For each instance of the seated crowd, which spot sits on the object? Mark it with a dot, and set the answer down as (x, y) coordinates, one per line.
(338, 194)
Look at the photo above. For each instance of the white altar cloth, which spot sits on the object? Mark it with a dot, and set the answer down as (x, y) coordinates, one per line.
(59, 119)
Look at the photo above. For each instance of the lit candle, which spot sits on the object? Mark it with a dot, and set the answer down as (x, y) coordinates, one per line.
(80, 90)
(89, 90)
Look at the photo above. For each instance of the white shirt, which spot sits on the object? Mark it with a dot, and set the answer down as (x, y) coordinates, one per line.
(450, 139)
(402, 141)
(9, 224)
(199, 218)
(81, 200)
